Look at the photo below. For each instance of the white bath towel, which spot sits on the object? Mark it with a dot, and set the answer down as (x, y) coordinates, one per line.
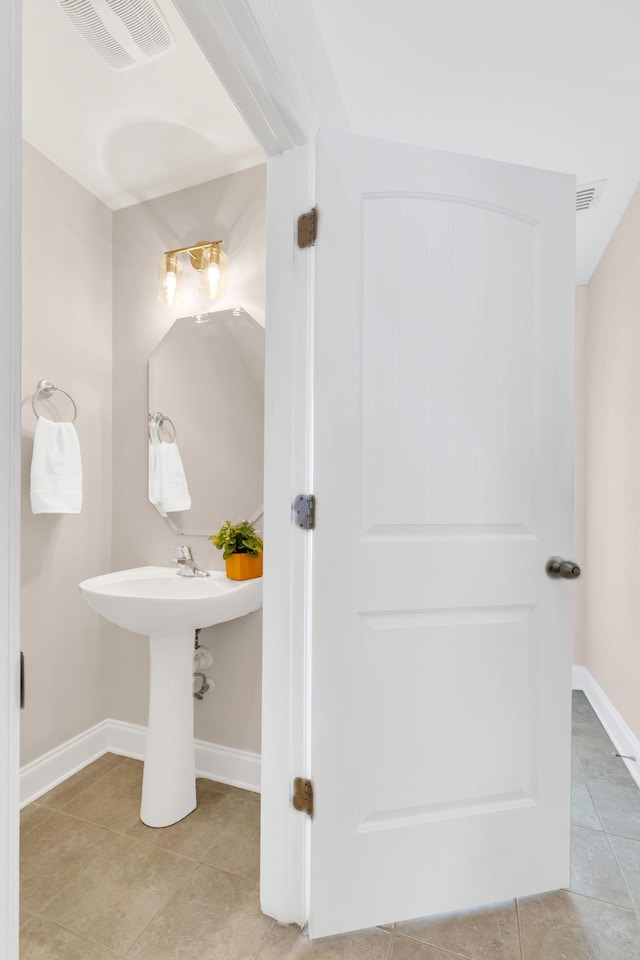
(168, 487)
(56, 468)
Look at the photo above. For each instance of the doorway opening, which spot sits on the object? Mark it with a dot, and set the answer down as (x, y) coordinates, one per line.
(125, 158)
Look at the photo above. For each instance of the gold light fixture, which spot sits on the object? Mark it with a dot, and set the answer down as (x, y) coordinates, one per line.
(206, 257)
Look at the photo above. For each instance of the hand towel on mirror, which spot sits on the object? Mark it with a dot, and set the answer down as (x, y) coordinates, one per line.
(174, 493)
(56, 468)
(168, 489)
(155, 478)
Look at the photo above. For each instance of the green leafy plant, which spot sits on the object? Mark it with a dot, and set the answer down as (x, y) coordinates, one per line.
(237, 538)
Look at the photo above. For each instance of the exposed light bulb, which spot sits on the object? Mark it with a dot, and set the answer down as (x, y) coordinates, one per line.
(211, 281)
(170, 281)
(170, 286)
(213, 272)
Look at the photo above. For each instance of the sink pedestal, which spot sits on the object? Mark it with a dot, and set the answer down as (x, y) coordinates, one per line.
(157, 603)
(169, 778)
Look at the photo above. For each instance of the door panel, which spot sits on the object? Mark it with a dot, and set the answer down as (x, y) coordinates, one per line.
(447, 437)
(442, 449)
(415, 669)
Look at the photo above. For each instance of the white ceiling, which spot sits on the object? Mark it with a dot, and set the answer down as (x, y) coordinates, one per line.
(133, 134)
(555, 84)
(552, 84)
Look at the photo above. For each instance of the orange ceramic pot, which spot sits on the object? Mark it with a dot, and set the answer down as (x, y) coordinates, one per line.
(242, 566)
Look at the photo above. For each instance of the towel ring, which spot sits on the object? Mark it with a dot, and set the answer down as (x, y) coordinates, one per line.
(46, 389)
(159, 419)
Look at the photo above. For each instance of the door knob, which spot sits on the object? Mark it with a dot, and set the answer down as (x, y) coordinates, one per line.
(557, 567)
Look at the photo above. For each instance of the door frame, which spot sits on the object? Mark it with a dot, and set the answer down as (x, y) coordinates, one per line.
(244, 43)
(10, 227)
(243, 40)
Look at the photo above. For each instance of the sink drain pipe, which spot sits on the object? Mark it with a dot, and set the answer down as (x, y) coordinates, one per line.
(202, 659)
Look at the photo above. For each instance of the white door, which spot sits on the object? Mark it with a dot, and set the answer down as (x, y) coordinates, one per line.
(441, 662)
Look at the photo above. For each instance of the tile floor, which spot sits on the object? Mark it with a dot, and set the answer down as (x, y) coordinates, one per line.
(97, 884)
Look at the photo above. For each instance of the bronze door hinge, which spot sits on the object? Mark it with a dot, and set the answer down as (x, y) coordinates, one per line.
(303, 795)
(308, 228)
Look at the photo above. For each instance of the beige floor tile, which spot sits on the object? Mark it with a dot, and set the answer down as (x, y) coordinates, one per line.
(31, 816)
(490, 933)
(239, 792)
(404, 949)
(627, 853)
(594, 871)
(618, 807)
(54, 852)
(288, 943)
(114, 800)
(84, 778)
(566, 926)
(113, 898)
(237, 846)
(583, 811)
(193, 835)
(213, 915)
(43, 940)
(130, 891)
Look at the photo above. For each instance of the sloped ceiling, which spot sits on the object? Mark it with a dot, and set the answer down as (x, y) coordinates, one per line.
(548, 84)
(133, 134)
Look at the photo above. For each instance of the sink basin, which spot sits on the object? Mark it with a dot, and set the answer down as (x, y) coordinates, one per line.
(155, 600)
(168, 608)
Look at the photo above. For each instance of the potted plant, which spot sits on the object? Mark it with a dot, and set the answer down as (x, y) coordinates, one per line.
(241, 549)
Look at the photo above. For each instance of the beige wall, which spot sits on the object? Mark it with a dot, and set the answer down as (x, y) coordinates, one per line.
(66, 338)
(580, 475)
(90, 323)
(233, 209)
(610, 480)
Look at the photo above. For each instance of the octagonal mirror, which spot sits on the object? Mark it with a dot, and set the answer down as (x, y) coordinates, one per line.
(206, 396)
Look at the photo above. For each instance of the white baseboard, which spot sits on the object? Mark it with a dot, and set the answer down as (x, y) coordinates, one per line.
(213, 761)
(624, 740)
(55, 766)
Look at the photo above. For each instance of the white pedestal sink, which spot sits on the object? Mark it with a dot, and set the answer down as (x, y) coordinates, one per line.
(168, 608)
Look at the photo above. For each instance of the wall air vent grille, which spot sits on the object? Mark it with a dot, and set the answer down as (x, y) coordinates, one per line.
(89, 24)
(588, 194)
(145, 24)
(125, 33)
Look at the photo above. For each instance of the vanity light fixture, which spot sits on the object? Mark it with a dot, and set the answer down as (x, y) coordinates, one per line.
(206, 257)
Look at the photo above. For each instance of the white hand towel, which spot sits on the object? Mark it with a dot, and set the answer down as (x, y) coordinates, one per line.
(155, 480)
(56, 468)
(174, 490)
(168, 488)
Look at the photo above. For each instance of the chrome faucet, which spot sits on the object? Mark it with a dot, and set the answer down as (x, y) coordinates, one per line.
(185, 562)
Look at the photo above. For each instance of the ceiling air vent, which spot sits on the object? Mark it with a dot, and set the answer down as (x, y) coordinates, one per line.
(126, 33)
(588, 194)
(145, 23)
